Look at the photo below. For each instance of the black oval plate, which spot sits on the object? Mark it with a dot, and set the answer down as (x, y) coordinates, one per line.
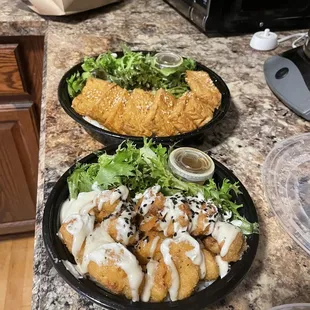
(57, 251)
(109, 137)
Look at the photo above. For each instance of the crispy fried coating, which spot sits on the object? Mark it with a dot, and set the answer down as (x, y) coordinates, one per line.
(169, 221)
(106, 209)
(148, 247)
(65, 236)
(117, 101)
(201, 228)
(112, 227)
(105, 267)
(173, 218)
(236, 249)
(160, 289)
(149, 223)
(212, 269)
(200, 223)
(91, 97)
(104, 206)
(154, 208)
(204, 90)
(111, 276)
(178, 118)
(143, 113)
(188, 271)
(139, 113)
(211, 245)
(102, 100)
(170, 109)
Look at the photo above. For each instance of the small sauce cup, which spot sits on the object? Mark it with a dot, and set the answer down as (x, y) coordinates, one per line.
(191, 164)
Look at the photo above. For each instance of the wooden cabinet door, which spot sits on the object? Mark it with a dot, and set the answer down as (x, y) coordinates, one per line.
(10, 77)
(18, 167)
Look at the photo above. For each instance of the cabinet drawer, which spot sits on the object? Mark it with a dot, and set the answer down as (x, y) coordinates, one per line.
(18, 167)
(11, 82)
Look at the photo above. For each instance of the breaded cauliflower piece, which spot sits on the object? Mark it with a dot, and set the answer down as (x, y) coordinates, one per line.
(187, 270)
(211, 245)
(212, 269)
(148, 247)
(236, 249)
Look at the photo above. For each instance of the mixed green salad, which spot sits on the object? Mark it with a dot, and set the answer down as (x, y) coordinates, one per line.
(132, 70)
(141, 168)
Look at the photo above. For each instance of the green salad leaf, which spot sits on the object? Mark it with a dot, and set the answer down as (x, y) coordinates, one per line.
(132, 70)
(141, 168)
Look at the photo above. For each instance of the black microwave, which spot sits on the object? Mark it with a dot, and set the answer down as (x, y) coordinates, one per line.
(232, 17)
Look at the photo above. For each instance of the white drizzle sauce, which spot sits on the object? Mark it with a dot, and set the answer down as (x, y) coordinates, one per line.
(237, 223)
(93, 241)
(195, 204)
(73, 269)
(202, 285)
(112, 196)
(79, 228)
(154, 245)
(195, 255)
(125, 260)
(223, 266)
(149, 280)
(171, 213)
(149, 197)
(226, 232)
(202, 267)
(175, 280)
(226, 216)
(81, 205)
(124, 226)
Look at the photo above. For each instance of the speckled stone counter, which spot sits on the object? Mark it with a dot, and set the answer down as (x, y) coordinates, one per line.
(17, 19)
(256, 120)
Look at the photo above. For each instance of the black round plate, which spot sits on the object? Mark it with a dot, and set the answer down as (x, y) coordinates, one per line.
(217, 290)
(108, 137)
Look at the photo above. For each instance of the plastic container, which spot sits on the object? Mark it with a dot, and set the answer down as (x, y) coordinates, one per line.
(292, 307)
(58, 252)
(286, 179)
(168, 60)
(191, 164)
(107, 137)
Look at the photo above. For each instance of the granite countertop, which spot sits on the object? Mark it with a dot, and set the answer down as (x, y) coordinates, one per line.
(255, 121)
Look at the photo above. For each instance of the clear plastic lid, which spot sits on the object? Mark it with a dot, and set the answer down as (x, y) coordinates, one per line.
(286, 179)
(168, 60)
(292, 307)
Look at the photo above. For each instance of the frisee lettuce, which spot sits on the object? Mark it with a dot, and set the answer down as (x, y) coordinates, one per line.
(132, 70)
(140, 168)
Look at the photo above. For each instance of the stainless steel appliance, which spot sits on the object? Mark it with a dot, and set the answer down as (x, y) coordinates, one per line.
(229, 17)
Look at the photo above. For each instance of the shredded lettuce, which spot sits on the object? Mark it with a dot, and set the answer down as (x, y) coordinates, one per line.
(132, 70)
(140, 168)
